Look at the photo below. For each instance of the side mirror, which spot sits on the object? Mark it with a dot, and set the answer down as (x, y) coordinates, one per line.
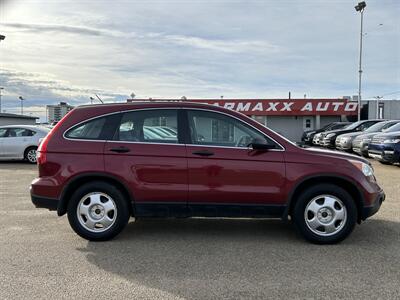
(261, 146)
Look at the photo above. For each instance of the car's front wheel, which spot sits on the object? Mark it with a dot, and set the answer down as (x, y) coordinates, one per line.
(325, 214)
(98, 211)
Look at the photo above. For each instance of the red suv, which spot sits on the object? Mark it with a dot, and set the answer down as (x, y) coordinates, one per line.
(102, 164)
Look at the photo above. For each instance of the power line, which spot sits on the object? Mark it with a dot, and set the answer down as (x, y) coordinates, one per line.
(387, 94)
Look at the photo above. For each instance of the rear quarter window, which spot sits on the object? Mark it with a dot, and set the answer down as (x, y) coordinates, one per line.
(90, 130)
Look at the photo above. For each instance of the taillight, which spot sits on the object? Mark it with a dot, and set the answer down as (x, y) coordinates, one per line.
(41, 152)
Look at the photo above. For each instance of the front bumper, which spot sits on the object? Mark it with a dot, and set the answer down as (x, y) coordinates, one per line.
(361, 149)
(328, 142)
(385, 153)
(343, 145)
(369, 211)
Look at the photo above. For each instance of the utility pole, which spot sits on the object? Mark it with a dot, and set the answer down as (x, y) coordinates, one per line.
(360, 7)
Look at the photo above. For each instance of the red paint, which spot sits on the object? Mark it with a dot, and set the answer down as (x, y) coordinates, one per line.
(171, 173)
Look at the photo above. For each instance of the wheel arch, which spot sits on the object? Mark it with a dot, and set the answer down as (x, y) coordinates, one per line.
(78, 180)
(346, 183)
(29, 147)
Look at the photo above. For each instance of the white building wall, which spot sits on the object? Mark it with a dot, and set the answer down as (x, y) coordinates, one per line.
(391, 109)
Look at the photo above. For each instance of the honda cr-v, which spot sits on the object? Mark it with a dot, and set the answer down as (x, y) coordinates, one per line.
(102, 164)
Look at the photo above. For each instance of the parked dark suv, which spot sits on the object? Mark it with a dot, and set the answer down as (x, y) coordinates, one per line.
(102, 164)
(386, 147)
(307, 137)
(361, 142)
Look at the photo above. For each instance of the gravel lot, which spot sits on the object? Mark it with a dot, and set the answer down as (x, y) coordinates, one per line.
(41, 257)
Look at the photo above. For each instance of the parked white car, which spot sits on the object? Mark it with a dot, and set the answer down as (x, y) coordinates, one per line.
(19, 142)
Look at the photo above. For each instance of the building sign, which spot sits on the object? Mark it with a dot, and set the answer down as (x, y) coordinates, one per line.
(283, 107)
(295, 107)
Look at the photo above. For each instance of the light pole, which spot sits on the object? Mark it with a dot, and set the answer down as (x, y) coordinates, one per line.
(1, 89)
(22, 104)
(360, 8)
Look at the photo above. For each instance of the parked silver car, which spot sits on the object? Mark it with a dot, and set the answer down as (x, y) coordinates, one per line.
(19, 142)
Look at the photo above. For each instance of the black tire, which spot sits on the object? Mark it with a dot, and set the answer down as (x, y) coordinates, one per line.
(298, 213)
(27, 154)
(118, 200)
(384, 162)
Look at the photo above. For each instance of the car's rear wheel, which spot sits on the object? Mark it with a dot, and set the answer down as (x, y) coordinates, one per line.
(325, 214)
(30, 155)
(98, 211)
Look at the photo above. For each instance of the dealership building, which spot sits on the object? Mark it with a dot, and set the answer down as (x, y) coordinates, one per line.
(289, 117)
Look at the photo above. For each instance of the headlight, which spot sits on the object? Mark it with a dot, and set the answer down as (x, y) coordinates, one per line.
(391, 141)
(363, 167)
(330, 135)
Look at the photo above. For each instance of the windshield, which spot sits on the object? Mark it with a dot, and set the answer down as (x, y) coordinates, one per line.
(342, 126)
(376, 127)
(354, 125)
(393, 128)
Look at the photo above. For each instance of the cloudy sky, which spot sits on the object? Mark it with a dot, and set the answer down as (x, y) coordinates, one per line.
(68, 50)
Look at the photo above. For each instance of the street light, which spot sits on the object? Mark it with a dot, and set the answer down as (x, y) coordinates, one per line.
(360, 8)
(22, 104)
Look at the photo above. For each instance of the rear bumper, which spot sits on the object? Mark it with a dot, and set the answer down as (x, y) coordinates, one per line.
(43, 202)
(369, 211)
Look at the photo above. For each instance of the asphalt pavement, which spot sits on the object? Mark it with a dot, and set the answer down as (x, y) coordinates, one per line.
(42, 258)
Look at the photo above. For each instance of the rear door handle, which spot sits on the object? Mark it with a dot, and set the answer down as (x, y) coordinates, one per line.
(203, 153)
(120, 150)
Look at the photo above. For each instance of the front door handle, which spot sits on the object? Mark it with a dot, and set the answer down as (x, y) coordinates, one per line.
(120, 150)
(203, 153)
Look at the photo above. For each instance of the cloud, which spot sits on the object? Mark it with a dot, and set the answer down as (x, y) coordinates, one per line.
(220, 45)
(229, 46)
(199, 49)
(36, 86)
(51, 28)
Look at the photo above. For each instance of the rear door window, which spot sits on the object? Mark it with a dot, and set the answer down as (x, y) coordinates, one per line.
(149, 126)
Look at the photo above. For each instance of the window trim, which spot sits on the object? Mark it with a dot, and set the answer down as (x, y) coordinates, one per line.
(122, 112)
(183, 128)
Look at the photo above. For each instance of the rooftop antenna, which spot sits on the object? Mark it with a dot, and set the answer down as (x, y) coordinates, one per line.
(99, 99)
